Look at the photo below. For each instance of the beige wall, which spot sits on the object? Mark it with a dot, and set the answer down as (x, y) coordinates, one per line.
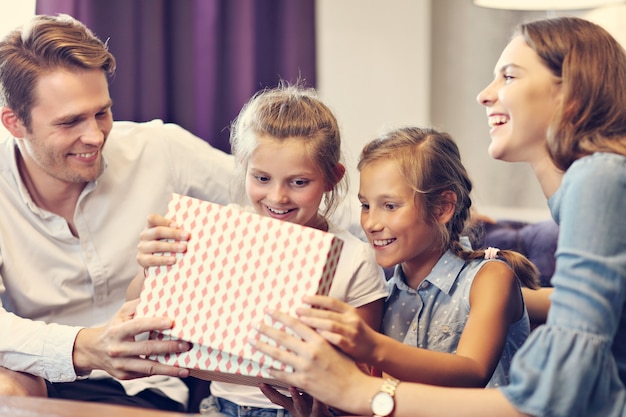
(11, 13)
(373, 67)
(396, 62)
(467, 41)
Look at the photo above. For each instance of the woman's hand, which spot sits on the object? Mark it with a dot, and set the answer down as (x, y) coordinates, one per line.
(341, 325)
(319, 369)
(158, 238)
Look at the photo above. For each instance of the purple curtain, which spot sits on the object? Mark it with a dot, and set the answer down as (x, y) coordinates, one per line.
(196, 62)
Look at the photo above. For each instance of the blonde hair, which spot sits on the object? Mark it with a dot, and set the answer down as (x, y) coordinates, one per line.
(45, 44)
(287, 112)
(430, 162)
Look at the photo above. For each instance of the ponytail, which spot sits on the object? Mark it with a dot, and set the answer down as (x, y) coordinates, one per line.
(525, 271)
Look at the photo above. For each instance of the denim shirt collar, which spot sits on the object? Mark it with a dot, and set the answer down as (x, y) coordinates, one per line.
(443, 275)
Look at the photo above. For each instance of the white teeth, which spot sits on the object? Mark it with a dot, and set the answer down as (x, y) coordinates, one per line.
(382, 242)
(275, 211)
(85, 155)
(497, 120)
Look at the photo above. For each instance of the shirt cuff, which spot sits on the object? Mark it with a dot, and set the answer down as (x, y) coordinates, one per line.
(58, 353)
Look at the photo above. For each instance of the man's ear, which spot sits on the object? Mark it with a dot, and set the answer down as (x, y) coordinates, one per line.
(340, 171)
(12, 123)
(447, 208)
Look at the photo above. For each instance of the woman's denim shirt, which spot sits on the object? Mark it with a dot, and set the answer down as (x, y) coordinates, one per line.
(433, 316)
(575, 365)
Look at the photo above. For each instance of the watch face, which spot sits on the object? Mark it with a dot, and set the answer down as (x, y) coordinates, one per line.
(382, 404)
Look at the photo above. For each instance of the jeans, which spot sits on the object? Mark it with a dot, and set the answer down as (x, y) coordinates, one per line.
(110, 391)
(219, 407)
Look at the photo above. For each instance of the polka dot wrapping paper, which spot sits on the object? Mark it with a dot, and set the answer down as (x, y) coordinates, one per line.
(237, 266)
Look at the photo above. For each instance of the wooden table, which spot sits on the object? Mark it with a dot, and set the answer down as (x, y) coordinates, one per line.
(48, 407)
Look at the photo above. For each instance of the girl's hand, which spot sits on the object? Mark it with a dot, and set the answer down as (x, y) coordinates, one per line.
(153, 245)
(341, 325)
(300, 404)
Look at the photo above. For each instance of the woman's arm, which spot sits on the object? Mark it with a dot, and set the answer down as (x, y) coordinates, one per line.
(305, 406)
(334, 379)
(537, 304)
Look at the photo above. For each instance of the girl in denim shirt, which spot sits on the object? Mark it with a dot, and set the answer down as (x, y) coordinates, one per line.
(557, 102)
(453, 317)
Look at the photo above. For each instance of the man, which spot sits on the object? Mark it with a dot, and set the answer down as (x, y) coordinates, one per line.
(75, 191)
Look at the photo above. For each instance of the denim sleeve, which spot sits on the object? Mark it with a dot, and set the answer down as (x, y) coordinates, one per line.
(571, 366)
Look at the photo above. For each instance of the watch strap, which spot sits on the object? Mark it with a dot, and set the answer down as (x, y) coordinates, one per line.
(389, 386)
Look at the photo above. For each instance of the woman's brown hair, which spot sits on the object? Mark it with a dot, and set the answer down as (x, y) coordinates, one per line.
(591, 65)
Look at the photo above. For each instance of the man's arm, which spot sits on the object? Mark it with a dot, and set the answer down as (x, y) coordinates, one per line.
(61, 353)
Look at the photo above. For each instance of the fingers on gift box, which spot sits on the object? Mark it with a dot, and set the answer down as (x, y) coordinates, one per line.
(237, 265)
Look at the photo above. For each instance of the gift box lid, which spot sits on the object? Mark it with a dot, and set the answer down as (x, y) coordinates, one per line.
(238, 264)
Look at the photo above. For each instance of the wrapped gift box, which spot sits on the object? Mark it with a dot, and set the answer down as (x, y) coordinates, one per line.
(237, 265)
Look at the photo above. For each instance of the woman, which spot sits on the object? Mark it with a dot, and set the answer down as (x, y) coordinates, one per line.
(557, 102)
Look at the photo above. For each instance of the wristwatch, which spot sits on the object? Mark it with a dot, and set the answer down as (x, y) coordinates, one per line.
(383, 402)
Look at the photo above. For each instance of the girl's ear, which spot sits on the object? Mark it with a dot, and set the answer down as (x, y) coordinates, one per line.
(340, 171)
(12, 123)
(447, 208)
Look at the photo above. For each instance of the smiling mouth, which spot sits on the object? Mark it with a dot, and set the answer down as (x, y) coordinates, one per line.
(277, 211)
(497, 121)
(85, 157)
(84, 154)
(382, 242)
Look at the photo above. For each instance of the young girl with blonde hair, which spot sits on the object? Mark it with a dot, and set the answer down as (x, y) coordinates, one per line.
(287, 147)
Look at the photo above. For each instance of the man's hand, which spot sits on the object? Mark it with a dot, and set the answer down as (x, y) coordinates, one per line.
(113, 348)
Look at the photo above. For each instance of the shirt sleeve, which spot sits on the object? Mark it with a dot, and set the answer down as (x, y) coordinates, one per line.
(202, 170)
(367, 279)
(568, 367)
(35, 347)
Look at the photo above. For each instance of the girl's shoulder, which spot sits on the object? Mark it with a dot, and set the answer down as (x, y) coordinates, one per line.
(353, 247)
